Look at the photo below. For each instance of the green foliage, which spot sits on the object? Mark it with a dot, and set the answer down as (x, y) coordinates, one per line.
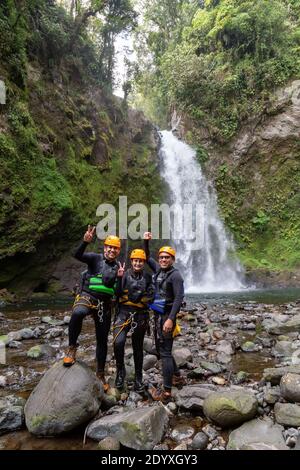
(201, 154)
(260, 221)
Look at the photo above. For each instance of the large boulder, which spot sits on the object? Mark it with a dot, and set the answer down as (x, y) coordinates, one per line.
(257, 434)
(274, 374)
(230, 408)
(140, 429)
(287, 327)
(191, 397)
(11, 413)
(182, 356)
(63, 399)
(290, 387)
(287, 414)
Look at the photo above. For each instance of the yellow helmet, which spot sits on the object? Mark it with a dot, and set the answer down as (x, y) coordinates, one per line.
(112, 240)
(167, 249)
(138, 254)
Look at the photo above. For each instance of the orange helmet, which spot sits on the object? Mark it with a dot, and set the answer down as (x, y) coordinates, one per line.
(138, 254)
(112, 240)
(167, 249)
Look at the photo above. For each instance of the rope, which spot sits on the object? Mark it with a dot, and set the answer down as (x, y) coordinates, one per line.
(123, 325)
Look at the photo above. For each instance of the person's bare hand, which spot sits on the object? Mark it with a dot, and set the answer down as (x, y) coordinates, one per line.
(168, 325)
(89, 234)
(121, 269)
(147, 236)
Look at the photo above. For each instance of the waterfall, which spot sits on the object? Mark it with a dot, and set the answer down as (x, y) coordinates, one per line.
(213, 267)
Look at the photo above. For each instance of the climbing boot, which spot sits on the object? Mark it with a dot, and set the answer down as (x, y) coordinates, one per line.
(101, 376)
(160, 395)
(70, 356)
(120, 378)
(178, 380)
(138, 386)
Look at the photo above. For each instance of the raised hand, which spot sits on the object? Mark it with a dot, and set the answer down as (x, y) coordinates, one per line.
(89, 234)
(147, 236)
(121, 269)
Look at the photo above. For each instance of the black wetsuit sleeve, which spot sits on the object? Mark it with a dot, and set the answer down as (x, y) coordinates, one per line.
(81, 255)
(149, 288)
(178, 291)
(119, 286)
(151, 261)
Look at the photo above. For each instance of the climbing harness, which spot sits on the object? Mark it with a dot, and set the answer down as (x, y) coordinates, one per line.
(86, 302)
(130, 321)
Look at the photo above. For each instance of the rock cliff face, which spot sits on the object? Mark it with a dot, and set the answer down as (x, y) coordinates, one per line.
(257, 177)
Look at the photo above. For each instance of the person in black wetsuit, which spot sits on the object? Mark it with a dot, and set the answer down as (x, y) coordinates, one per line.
(169, 293)
(97, 290)
(134, 291)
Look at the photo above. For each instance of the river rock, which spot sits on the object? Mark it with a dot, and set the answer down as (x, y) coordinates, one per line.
(249, 346)
(257, 432)
(52, 321)
(54, 332)
(139, 429)
(290, 387)
(182, 432)
(272, 395)
(283, 349)
(292, 324)
(225, 347)
(274, 374)
(212, 367)
(149, 361)
(3, 381)
(63, 399)
(287, 414)
(199, 441)
(41, 351)
(182, 356)
(109, 443)
(191, 397)
(11, 413)
(230, 408)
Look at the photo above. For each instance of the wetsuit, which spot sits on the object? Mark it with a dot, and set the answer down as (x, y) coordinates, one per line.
(91, 301)
(134, 290)
(169, 284)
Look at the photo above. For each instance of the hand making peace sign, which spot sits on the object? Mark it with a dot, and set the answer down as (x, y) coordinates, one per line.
(89, 234)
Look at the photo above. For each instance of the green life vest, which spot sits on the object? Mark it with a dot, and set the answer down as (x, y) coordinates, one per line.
(96, 285)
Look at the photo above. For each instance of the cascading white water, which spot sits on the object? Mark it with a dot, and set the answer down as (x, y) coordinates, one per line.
(213, 267)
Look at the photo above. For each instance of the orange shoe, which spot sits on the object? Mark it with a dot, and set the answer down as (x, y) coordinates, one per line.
(101, 377)
(70, 356)
(158, 395)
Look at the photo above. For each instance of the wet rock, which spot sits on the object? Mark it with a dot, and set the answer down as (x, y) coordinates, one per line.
(241, 377)
(51, 321)
(283, 349)
(210, 431)
(64, 399)
(191, 397)
(182, 432)
(41, 351)
(287, 414)
(3, 381)
(274, 375)
(139, 429)
(287, 327)
(11, 413)
(249, 346)
(290, 387)
(198, 373)
(38, 331)
(182, 356)
(224, 358)
(272, 395)
(15, 344)
(67, 319)
(54, 332)
(257, 434)
(27, 333)
(225, 347)
(212, 367)
(219, 380)
(230, 408)
(149, 361)
(182, 446)
(109, 443)
(200, 441)
(218, 317)
(148, 345)
(205, 338)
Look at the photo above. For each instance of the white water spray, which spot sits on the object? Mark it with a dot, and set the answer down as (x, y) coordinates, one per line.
(214, 267)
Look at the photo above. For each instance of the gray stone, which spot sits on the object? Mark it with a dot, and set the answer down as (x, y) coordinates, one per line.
(67, 319)
(139, 429)
(241, 377)
(224, 358)
(191, 397)
(287, 414)
(64, 399)
(182, 432)
(272, 395)
(287, 327)
(200, 441)
(290, 387)
(109, 443)
(54, 332)
(210, 431)
(274, 375)
(149, 345)
(51, 321)
(255, 433)
(182, 356)
(41, 351)
(149, 361)
(15, 344)
(249, 346)
(225, 347)
(212, 367)
(283, 349)
(3, 381)
(230, 408)
(182, 446)
(11, 413)
(27, 333)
